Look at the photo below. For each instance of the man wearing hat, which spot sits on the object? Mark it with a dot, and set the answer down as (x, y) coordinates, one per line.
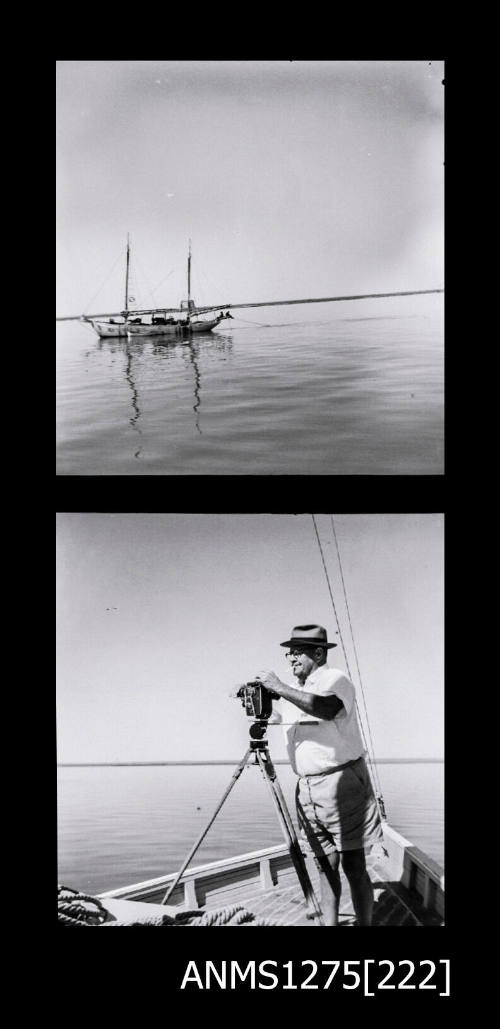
(336, 806)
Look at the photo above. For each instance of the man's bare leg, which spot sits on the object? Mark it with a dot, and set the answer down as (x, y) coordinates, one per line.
(354, 865)
(330, 887)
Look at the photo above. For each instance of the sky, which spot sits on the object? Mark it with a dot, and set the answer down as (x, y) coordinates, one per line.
(292, 179)
(160, 616)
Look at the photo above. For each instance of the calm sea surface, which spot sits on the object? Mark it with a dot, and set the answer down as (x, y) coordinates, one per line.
(346, 396)
(119, 825)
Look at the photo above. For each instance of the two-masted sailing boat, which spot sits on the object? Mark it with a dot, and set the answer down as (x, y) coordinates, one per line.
(159, 324)
(159, 321)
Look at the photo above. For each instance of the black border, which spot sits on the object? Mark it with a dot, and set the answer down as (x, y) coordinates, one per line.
(257, 493)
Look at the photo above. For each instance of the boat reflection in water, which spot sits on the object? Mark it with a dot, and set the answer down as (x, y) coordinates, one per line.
(135, 405)
(187, 348)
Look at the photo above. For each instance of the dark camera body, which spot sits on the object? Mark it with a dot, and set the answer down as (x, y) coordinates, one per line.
(257, 701)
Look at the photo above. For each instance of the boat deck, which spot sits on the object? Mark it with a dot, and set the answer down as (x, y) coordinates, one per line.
(284, 904)
(408, 888)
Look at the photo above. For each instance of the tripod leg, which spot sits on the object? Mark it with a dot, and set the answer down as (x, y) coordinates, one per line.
(236, 774)
(289, 833)
(277, 788)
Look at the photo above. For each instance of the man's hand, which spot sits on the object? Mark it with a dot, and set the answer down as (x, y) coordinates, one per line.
(270, 681)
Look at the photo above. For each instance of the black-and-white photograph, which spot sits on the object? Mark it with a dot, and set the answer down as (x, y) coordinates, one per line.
(250, 719)
(250, 267)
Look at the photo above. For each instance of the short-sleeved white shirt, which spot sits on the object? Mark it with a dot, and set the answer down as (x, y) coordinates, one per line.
(320, 745)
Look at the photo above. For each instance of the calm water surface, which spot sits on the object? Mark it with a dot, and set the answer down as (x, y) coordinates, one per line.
(345, 396)
(119, 825)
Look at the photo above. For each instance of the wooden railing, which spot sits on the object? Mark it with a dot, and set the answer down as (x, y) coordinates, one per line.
(246, 874)
(415, 870)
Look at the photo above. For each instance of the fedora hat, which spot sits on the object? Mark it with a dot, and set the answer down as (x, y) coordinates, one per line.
(308, 635)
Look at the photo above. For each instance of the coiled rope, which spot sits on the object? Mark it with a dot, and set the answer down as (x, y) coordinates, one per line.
(237, 915)
(371, 755)
(75, 908)
(232, 915)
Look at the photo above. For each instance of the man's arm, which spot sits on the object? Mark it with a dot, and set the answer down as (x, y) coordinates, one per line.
(276, 718)
(324, 707)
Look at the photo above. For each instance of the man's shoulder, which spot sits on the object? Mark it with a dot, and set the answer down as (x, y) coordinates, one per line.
(336, 673)
(328, 678)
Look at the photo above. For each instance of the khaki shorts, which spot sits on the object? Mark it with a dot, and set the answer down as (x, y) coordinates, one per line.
(337, 811)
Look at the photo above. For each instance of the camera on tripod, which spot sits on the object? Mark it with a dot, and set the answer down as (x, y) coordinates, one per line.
(257, 701)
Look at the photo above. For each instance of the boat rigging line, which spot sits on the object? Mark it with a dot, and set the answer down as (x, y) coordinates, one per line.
(164, 279)
(248, 321)
(103, 283)
(379, 787)
(371, 753)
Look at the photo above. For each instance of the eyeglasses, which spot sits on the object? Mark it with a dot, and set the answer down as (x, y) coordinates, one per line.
(297, 651)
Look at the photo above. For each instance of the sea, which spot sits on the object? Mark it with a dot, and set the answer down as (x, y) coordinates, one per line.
(120, 824)
(355, 395)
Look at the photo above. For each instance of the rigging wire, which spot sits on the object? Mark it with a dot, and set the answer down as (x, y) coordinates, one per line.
(197, 289)
(88, 328)
(375, 770)
(108, 276)
(160, 283)
(144, 277)
(371, 759)
(331, 597)
(205, 281)
(249, 321)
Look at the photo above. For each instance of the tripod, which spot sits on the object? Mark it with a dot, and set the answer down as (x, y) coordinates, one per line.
(259, 747)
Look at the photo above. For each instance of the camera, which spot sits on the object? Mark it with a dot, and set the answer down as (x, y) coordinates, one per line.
(257, 701)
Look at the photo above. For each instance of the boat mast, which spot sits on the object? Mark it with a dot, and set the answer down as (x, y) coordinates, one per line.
(189, 279)
(126, 275)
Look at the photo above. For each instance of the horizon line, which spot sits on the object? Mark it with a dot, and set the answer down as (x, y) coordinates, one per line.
(228, 761)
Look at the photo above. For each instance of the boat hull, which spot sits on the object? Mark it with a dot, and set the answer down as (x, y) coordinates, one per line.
(105, 330)
(176, 330)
